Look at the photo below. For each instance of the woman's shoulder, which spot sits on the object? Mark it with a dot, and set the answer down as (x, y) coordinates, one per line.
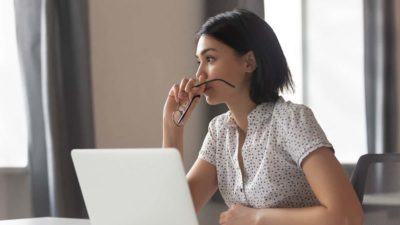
(221, 121)
(291, 111)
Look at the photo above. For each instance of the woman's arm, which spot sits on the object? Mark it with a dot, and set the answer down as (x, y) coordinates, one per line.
(173, 138)
(339, 203)
(202, 179)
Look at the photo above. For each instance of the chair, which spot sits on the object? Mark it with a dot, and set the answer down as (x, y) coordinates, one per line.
(384, 200)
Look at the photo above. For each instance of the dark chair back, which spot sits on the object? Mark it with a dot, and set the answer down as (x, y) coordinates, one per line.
(360, 173)
(376, 180)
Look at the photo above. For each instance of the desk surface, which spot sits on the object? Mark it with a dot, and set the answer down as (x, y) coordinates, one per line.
(382, 199)
(46, 221)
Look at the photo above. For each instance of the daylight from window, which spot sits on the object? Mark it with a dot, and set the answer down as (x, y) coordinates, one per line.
(324, 45)
(13, 122)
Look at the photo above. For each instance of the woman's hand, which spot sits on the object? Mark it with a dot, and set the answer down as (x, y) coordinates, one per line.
(178, 95)
(238, 215)
(182, 94)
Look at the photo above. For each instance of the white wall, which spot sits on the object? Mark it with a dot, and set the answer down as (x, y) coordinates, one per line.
(139, 49)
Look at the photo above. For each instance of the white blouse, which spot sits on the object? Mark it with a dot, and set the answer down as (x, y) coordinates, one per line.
(279, 136)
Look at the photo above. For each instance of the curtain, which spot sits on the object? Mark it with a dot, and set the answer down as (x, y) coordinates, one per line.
(382, 82)
(27, 19)
(53, 42)
(382, 89)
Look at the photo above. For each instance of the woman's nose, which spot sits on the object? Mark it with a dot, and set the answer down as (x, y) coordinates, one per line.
(200, 72)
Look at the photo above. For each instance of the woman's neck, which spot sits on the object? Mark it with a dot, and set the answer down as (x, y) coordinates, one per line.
(240, 109)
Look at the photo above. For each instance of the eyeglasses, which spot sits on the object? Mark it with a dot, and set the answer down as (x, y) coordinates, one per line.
(179, 115)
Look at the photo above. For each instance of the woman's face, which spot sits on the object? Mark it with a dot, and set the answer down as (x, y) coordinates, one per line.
(219, 61)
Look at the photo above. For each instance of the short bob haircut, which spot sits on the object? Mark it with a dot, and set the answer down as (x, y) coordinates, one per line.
(244, 31)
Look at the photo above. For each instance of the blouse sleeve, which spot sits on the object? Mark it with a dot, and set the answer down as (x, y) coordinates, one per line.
(208, 148)
(304, 134)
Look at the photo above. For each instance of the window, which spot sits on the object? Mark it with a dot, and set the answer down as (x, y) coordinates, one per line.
(288, 28)
(13, 121)
(324, 45)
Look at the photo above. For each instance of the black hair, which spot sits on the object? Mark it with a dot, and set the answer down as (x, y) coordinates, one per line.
(244, 31)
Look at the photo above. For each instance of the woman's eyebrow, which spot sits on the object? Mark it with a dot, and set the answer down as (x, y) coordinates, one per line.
(206, 50)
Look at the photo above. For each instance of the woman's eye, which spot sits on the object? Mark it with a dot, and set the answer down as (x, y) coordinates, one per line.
(210, 59)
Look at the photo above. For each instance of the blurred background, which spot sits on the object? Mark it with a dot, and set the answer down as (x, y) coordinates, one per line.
(96, 73)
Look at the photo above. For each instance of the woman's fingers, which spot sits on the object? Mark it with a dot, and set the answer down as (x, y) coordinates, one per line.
(183, 95)
(183, 91)
(190, 110)
(189, 88)
(180, 96)
(175, 92)
(192, 90)
(189, 85)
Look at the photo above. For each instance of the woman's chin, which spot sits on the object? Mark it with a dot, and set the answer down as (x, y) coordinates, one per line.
(212, 101)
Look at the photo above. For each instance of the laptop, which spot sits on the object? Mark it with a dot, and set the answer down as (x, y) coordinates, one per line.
(134, 186)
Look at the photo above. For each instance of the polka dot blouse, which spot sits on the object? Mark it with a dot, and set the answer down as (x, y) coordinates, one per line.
(279, 136)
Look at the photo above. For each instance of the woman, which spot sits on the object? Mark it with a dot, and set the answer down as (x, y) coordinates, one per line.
(269, 158)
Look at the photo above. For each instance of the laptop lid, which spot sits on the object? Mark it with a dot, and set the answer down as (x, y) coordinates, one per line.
(134, 186)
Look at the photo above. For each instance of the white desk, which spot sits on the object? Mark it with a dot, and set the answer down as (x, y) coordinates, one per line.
(46, 221)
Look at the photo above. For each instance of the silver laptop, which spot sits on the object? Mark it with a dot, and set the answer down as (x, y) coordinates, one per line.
(134, 186)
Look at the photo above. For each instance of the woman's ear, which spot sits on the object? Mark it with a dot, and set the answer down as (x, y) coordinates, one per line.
(250, 62)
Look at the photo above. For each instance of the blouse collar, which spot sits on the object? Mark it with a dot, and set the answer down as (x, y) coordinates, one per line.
(260, 114)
